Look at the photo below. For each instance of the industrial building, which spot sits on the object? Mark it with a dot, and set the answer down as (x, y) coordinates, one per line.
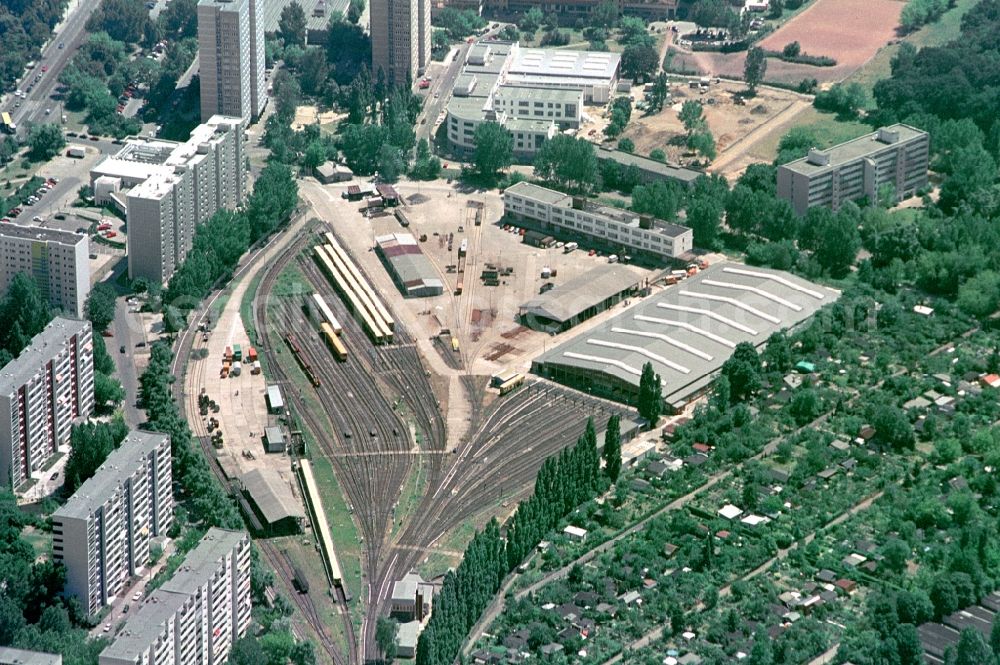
(411, 271)
(401, 38)
(102, 534)
(686, 331)
(575, 217)
(167, 189)
(894, 157)
(411, 598)
(231, 58)
(57, 261)
(580, 298)
(12, 656)
(197, 614)
(270, 505)
(649, 170)
(43, 391)
(533, 93)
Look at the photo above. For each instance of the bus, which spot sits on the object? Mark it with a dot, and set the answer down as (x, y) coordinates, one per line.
(8, 123)
(332, 341)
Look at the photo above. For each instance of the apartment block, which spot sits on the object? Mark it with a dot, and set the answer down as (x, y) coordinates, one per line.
(11, 656)
(102, 534)
(896, 156)
(57, 261)
(401, 38)
(576, 217)
(231, 58)
(167, 189)
(196, 615)
(43, 391)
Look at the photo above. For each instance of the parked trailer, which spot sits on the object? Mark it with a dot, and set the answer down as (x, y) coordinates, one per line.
(299, 580)
(326, 314)
(293, 344)
(321, 527)
(352, 285)
(382, 311)
(374, 330)
(333, 342)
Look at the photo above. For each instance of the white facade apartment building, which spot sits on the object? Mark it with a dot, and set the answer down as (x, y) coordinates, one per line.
(42, 393)
(401, 38)
(575, 216)
(196, 615)
(57, 261)
(231, 59)
(174, 188)
(102, 534)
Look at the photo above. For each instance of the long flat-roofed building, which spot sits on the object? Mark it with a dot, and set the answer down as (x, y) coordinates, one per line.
(532, 93)
(11, 656)
(895, 156)
(172, 188)
(687, 332)
(231, 58)
(43, 391)
(197, 614)
(648, 169)
(579, 299)
(57, 261)
(412, 272)
(577, 217)
(102, 534)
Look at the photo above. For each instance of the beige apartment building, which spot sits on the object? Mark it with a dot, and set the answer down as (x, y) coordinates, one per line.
(197, 614)
(43, 392)
(401, 38)
(896, 155)
(102, 534)
(167, 189)
(57, 261)
(231, 58)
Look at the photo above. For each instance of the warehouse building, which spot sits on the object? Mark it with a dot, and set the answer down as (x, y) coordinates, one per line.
(197, 614)
(579, 299)
(687, 332)
(102, 534)
(270, 504)
(649, 170)
(43, 392)
(894, 157)
(57, 261)
(412, 272)
(575, 217)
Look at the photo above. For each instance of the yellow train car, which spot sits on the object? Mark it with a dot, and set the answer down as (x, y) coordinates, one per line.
(333, 342)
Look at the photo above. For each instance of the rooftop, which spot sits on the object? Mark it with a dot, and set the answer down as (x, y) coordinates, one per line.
(406, 588)
(849, 151)
(44, 235)
(202, 562)
(145, 625)
(120, 464)
(689, 330)
(12, 656)
(274, 498)
(42, 347)
(407, 634)
(582, 292)
(647, 164)
(564, 63)
(412, 268)
(537, 93)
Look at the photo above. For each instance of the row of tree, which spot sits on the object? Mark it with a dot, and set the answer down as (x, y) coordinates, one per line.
(564, 482)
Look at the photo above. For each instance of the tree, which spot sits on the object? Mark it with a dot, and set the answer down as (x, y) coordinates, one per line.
(743, 370)
(661, 198)
(658, 95)
(777, 354)
(792, 50)
(837, 243)
(640, 61)
(980, 295)
(692, 115)
(704, 215)
(613, 448)
(123, 20)
(656, 154)
(494, 149)
(843, 99)
(292, 24)
(426, 166)
(892, 428)
(754, 68)
(391, 164)
(532, 20)
(287, 93)
(604, 15)
(650, 401)
(568, 161)
(354, 10)
(760, 653)
(385, 638)
(626, 145)
(45, 141)
(101, 306)
(795, 144)
(703, 143)
(972, 649)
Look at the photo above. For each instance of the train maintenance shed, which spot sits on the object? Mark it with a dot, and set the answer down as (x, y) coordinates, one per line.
(686, 331)
(412, 272)
(580, 298)
(275, 508)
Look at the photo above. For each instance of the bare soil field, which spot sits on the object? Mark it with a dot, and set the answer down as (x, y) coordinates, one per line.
(731, 124)
(850, 31)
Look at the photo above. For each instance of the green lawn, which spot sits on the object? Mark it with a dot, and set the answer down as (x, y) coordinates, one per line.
(827, 127)
(413, 491)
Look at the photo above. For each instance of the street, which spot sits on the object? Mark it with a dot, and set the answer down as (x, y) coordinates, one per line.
(128, 332)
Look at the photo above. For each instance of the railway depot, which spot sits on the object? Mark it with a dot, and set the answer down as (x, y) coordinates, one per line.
(579, 299)
(687, 331)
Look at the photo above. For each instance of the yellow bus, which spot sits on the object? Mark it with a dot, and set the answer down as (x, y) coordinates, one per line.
(7, 122)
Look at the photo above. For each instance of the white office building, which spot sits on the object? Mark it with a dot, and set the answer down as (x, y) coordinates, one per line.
(196, 615)
(57, 261)
(42, 393)
(167, 189)
(102, 534)
(576, 217)
(231, 58)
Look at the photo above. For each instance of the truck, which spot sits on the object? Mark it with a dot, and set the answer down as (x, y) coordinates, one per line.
(569, 247)
(76, 152)
(237, 352)
(237, 368)
(8, 123)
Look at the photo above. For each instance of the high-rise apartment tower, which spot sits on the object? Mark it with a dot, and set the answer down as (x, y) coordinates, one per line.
(231, 59)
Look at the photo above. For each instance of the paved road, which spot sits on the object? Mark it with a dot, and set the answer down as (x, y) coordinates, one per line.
(127, 332)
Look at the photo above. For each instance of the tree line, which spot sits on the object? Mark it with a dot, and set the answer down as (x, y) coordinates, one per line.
(564, 481)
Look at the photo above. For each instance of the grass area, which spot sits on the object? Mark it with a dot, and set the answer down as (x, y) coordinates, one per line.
(246, 309)
(826, 126)
(41, 541)
(944, 30)
(413, 491)
(291, 282)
